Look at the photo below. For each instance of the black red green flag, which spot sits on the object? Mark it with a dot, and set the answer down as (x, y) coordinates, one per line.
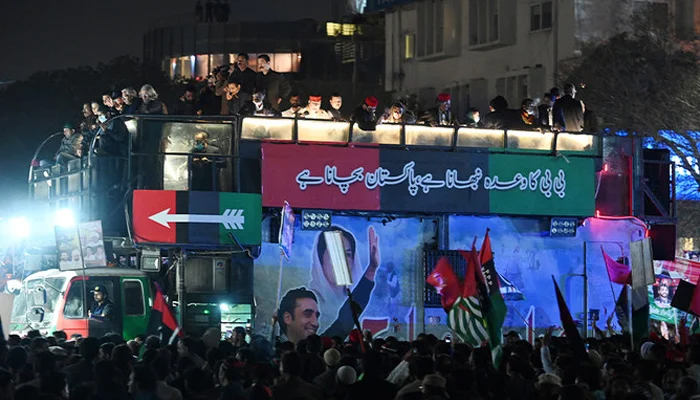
(572, 334)
(498, 309)
(162, 321)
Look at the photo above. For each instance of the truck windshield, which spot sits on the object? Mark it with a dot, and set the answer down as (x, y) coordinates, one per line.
(24, 300)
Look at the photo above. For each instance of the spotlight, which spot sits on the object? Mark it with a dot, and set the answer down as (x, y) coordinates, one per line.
(20, 227)
(315, 220)
(64, 218)
(563, 227)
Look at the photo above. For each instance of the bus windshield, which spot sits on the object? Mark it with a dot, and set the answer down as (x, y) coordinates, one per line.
(25, 301)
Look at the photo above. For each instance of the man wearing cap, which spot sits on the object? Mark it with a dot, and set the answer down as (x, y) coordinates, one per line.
(71, 146)
(440, 115)
(102, 308)
(327, 380)
(365, 114)
(313, 109)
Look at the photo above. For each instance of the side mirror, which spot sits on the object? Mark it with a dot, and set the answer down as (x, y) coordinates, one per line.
(39, 295)
(36, 315)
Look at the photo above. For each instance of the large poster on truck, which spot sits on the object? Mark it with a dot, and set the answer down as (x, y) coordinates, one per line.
(383, 257)
(526, 258)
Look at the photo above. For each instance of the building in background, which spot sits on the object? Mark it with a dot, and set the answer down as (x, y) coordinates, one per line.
(343, 49)
(477, 49)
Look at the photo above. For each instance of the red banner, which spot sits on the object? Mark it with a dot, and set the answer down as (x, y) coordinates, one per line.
(146, 204)
(303, 177)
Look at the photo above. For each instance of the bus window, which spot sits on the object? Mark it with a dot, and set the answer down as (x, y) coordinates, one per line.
(133, 298)
(74, 301)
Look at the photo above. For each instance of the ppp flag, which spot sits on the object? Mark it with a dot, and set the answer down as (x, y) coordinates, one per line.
(498, 310)
(576, 343)
(162, 321)
(445, 281)
(466, 318)
(618, 272)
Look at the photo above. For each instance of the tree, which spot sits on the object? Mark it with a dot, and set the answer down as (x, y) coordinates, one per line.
(645, 81)
(34, 108)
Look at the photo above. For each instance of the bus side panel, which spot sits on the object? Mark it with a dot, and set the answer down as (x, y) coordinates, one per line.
(72, 325)
(136, 306)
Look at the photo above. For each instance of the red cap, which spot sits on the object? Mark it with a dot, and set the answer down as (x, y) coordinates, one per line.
(315, 98)
(371, 101)
(326, 342)
(356, 335)
(443, 97)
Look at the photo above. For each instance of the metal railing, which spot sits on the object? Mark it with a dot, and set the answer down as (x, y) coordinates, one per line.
(157, 141)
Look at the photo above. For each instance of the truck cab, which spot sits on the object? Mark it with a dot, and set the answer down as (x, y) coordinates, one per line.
(59, 300)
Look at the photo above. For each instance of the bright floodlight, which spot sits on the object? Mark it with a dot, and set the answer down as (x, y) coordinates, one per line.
(64, 218)
(224, 307)
(20, 227)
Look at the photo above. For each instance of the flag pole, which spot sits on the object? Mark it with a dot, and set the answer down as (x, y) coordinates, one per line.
(519, 314)
(279, 278)
(608, 272)
(630, 310)
(585, 290)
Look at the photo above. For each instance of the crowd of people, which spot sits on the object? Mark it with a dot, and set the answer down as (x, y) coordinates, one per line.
(239, 90)
(245, 367)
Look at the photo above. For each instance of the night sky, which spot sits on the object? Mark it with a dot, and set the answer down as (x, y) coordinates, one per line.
(52, 35)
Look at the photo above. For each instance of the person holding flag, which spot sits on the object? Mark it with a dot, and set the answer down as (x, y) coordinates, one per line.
(466, 316)
(162, 322)
(476, 310)
(497, 312)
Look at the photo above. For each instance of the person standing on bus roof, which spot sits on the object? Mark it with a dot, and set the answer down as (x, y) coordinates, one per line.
(102, 308)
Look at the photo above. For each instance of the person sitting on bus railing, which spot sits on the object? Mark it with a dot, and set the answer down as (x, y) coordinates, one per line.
(151, 104)
(440, 115)
(365, 114)
(71, 146)
(261, 107)
(397, 114)
(313, 109)
(295, 106)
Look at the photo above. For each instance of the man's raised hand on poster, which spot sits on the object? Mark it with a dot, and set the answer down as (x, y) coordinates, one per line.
(374, 257)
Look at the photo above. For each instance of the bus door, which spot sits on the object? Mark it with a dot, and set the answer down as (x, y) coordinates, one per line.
(136, 306)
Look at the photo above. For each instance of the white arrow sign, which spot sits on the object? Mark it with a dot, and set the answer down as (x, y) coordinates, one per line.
(231, 219)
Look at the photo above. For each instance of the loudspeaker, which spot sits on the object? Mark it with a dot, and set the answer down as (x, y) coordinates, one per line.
(275, 225)
(613, 189)
(663, 242)
(657, 175)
